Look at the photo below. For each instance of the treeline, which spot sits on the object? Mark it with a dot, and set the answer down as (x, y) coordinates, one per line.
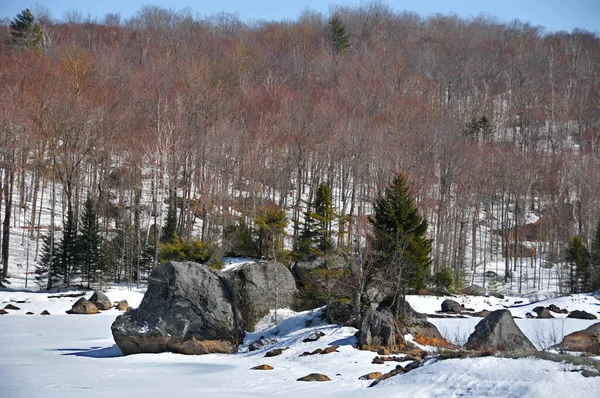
(490, 123)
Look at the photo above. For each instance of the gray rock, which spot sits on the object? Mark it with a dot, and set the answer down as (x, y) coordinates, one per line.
(474, 290)
(188, 309)
(422, 327)
(302, 269)
(261, 287)
(339, 312)
(554, 308)
(491, 274)
(101, 301)
(577, 314)
(499, 332)
(377, 329)
(451, 306)
(542, 312)
(83, 306)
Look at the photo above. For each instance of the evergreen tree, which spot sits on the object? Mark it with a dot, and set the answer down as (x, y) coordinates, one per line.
(24, 31)
(578, 257)
(48, 266)
(400, 241)
(596, 259)
(68, 248)
(270, 224)
(324, 215)
(89, 241)
(317, 235)
(169, 230)
(338, 36)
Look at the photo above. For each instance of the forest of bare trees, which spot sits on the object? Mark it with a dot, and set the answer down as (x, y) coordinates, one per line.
(490, 123)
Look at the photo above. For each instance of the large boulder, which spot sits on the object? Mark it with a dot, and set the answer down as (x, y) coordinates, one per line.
(379, 329)
(188, 309)
(261, 287)
(499, 332)
(101, 301)
(587, 340)
(83, 306)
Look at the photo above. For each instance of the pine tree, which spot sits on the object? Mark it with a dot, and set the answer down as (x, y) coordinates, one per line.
(24, 31)
(400, 241)
(270, 224)
(338, 36)
(169, 230)
(89, 241)
(578, 258)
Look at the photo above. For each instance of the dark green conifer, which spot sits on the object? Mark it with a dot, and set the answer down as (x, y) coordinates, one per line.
(24, 31)
(169, 230)
(400, 242)
(89, 241)
(338, 36)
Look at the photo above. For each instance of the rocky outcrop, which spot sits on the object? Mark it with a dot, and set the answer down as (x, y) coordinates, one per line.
(101, 301)
(11, 307)
(188, 309)
(499, 332)
(3, 312)
(261, 287)
(587, 340)
(83, 306)
(45, 312)
(577, 314)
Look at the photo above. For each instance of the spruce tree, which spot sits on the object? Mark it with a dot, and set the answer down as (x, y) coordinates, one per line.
(338, 36)
(68, 248)
(24, 31)
(48, 265)
(400, 243)
(578, 258)
(89, 241)
(169, 230)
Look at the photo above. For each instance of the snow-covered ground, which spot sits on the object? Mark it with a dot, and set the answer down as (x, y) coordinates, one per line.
(74, 355)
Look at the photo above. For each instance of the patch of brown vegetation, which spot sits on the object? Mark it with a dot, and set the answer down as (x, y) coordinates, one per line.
(433, 341)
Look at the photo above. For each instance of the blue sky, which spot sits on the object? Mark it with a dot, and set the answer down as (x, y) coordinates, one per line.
(553, 14)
